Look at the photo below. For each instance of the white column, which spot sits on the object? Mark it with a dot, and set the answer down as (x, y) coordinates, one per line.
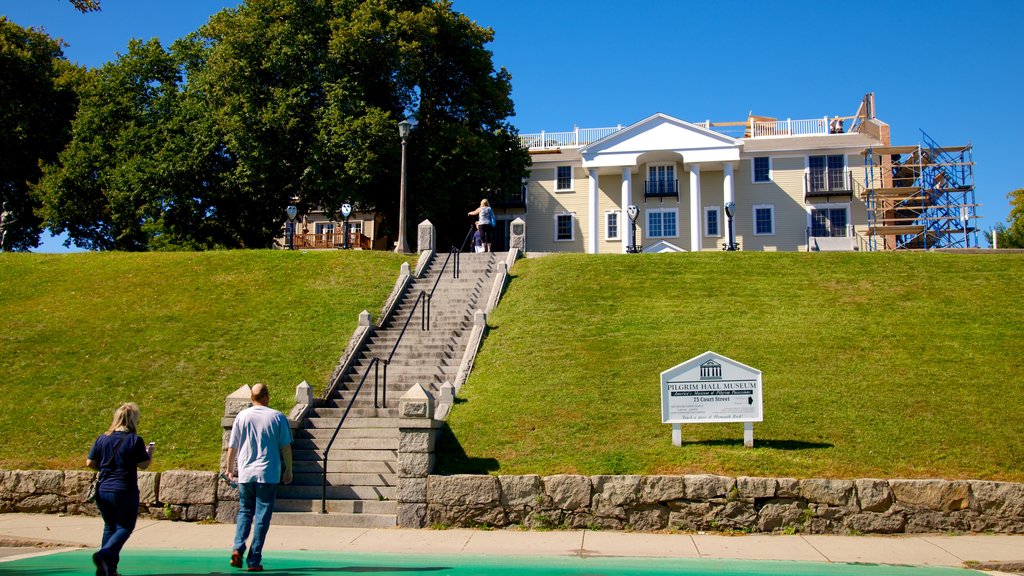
(594, 218)
(625, 226)
(730, 191)
(694, 208)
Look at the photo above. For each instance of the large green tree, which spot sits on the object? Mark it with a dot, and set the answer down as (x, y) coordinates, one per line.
(286, 101)
(37, 102)
(1012, 234)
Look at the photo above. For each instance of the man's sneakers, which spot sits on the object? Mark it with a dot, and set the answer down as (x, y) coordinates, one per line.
(236, 558)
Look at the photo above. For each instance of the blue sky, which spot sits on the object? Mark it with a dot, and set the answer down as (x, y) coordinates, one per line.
(953, 69)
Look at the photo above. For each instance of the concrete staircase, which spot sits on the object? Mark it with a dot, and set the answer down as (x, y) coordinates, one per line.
(362, 465)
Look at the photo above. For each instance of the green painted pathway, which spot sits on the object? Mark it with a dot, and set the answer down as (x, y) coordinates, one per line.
(135, 562)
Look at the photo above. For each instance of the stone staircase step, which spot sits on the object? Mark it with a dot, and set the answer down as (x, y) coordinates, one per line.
(360, 507)
(345, 467)
(346, 433)
(349, 443)
(292, 492)
(338, 520)
(346, 454)
(328, 417)
(344, 478)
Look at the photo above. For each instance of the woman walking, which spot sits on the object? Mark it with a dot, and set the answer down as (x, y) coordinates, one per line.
(485, 222)
(118, 454)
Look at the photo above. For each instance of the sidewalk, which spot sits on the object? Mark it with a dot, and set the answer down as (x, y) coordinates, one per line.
(48, 531)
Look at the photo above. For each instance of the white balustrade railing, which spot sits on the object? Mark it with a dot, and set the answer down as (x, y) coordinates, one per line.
(584, 136)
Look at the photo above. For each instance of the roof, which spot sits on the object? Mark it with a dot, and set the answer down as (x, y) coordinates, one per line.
(804, 143)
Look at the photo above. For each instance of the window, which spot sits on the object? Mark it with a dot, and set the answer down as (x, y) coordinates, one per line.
(764, 220)
(355, 226)
(662, 223)
(826, 173)
(829, 222)
(712, 221)
(611, 225)
(762, 169)
(563, 178)
(323, 228)
(564, 227)
(661, 180)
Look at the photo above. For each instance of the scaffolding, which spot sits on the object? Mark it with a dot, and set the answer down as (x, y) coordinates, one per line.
(920, 197)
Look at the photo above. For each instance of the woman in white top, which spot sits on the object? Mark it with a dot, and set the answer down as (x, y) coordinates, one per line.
(484, 217)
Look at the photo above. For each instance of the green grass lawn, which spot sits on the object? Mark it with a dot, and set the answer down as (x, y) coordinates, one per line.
(174, 332)
(874, 365)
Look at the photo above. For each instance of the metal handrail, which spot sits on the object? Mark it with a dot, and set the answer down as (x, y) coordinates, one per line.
(375, 363)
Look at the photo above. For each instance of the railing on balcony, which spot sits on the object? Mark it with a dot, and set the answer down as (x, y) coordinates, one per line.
(828, 182)
(788, 127)
(330, 240)
(661, 188)
(754, 129)
(575, 139)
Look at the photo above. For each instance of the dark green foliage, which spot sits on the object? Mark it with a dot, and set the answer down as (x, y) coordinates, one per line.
(280, 102)
(37, 102)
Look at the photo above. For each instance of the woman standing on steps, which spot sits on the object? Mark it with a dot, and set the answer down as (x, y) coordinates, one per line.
(118, 454)
(485, 221)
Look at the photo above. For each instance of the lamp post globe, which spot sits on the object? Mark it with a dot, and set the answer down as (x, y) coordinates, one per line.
(346, 210)
(402, 247)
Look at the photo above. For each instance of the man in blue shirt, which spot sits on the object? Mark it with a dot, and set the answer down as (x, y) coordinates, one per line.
(260, 458)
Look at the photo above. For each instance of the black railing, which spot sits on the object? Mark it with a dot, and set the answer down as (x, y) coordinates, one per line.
(661, 188)
(828, 182)
(375, 364)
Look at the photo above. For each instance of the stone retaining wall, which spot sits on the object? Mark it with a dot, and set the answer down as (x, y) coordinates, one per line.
(644, 503)
(720, 503)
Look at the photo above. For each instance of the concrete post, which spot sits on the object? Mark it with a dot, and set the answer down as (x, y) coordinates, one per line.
(417, 435)
(517, 235)
(426, 237)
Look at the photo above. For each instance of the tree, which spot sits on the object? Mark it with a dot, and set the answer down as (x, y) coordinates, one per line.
(122, 182)
(279, 102)
(37, 104)
(84, 6)
(1011, 235)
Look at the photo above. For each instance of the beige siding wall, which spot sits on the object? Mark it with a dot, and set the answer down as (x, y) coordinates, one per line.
(546, 203)
(609, 198)
(712, 193)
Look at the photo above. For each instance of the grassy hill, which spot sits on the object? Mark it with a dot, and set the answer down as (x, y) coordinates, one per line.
(883, 365)
(874, 365)
(174, 332)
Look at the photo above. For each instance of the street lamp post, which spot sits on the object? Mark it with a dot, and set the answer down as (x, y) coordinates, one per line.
(632, 211)
(401, 246)
(730, 209)
(292, 211)
(346, 209)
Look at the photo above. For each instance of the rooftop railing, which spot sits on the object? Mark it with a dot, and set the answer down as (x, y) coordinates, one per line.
(752, 129)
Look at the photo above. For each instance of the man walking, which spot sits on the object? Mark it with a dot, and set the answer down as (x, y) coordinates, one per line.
(259, 457)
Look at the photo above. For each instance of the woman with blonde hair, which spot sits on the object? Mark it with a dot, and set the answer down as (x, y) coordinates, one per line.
(118, 454)
(485, 222)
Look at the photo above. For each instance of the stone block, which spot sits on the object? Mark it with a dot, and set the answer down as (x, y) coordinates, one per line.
(752, 488)
(464, 490)
(521, 491)
(18, 484)
(76, 485)
(416, 440)
(778, 515)
(939, 495)
(149, 483)
(707, 486)
(830, 492)
(875, 523)
(41, 504)
(788, 488)
(568, 491)
(185, 487)
(225, 493)
(227, 511)
(198, 512)
(614, 495)
(648, 518)
(237, 401)
(873, 495)
(1000, 499)
(416, 403)
(415, 464)
(412, 490)
(412, 515)
(656, 489)
(426, 236)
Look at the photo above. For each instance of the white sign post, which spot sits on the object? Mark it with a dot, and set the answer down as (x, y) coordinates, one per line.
(711, 388)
